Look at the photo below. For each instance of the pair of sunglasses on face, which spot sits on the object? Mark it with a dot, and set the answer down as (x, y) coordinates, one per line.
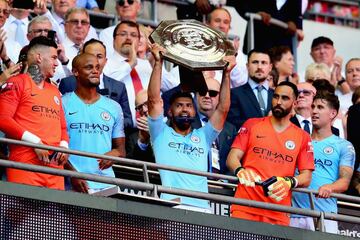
(122, 2)
(212, 93)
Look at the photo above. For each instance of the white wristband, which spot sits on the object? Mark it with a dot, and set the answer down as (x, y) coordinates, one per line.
(30, 137)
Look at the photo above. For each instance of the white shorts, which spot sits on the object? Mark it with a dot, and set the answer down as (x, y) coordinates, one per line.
(308, 223)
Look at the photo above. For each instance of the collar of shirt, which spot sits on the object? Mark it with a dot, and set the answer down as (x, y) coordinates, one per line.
(280, 3)
(101, 85)
(202, 116)
(12, 19)
(57, 18)
(301, 119)
(254, 84)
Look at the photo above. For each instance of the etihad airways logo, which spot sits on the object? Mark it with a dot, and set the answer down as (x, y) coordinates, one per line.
(90, 128)
(272, 156)
(46, 111)
(187, 149)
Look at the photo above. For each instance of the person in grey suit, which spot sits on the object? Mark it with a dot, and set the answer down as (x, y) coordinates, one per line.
(108, 86)
(254, 98)
(206, 104)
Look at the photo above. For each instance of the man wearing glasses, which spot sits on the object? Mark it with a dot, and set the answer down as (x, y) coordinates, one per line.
(126, 10)
(77, 24)
(206, 105)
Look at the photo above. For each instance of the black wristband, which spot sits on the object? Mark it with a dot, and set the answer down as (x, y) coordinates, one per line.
(341, 82)
(293, 181)
(238, 170)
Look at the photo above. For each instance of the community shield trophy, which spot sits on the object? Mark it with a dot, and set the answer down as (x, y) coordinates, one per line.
(193, 46)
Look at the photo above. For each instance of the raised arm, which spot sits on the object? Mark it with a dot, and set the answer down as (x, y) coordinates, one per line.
(222, 109)
(155, 103)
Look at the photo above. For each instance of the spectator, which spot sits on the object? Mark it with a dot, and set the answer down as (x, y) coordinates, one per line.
(41, 26)
(334, 164)
(30, 110)
(352, 71)
(10, 43)
(302, 118)
(206, 105)
(178, 140)
(254, 98)
(126, 10)
(259, 152)
(88, 4)
(95, 124)
(267, 36)
(143, 49)
(57, 18)
(323, 51)
(283, 61)
(196, 9)
(356, 181)
(108, 86)
(317, 71)
(77, 23)
(353, 124)
(138, 142)
(273, 78)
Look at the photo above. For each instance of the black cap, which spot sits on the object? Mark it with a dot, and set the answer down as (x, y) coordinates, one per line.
(319, 40)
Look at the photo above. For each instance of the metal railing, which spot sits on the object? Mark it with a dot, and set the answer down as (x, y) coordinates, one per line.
(154, 189)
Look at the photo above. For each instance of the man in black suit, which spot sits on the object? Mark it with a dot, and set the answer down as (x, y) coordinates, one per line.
(267, 36)
(303, 108)
(206, 106)
(108, 86)
(254, 98)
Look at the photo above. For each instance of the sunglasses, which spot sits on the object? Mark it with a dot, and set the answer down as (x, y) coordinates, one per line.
(305, 92)
(140, 107)
(122, 2)
(212, 93)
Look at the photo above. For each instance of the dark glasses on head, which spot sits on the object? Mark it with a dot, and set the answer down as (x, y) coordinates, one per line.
(122, 2)
(212, 93)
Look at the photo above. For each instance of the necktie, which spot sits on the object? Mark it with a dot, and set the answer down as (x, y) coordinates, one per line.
(260, 99)
(306, 126)
(19, 34)
(136, 81)
(77, 47)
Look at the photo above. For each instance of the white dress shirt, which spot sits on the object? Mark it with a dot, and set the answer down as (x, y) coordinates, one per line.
(302, 124)
(264, 94)
(10, 27)
(106, 36)
(70, 50)
(13, 49)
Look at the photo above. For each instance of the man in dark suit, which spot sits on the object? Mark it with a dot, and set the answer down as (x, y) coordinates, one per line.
(206, 106)
(303, 108)
(254, 98)
(267, 36)
(108, 86)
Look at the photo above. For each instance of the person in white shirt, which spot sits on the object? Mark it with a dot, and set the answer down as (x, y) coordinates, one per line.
(126, 10)
(77, 24)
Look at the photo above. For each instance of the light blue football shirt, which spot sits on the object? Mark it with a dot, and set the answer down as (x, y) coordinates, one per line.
(91, 128)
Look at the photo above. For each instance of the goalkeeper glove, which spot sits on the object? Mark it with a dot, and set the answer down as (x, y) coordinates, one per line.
(279, 189)
(247, 177)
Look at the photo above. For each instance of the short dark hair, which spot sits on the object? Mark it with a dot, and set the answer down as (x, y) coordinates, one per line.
(356, 95)
(320, 40)
(277, 52)
(323, 85)
(129, 23)
(41, 41)
(255, 50)
(331, 98)
(92, 41)
(180, 94)
(291, 85)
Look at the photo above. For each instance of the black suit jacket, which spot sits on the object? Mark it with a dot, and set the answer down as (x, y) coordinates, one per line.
(225, 140)
(116, 91)
(244, 105)
(133, 150)
(269, 36)
(295, 121)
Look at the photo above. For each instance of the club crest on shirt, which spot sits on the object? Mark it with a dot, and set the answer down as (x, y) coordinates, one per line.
(243, 130)
(310, 147)
(6, 86)
(105, 116)
(328, 150)
(195, 139)
(290, 145)
(56, 100)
